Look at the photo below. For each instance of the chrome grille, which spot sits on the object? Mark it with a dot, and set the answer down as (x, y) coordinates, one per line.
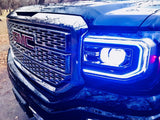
(49, 60)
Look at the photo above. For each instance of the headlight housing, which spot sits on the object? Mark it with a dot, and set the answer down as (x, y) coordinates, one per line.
(116, 57)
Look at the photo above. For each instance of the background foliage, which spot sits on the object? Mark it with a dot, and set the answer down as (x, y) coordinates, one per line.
(9, 5)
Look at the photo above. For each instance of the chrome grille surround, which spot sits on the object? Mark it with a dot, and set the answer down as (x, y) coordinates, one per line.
(50, 58)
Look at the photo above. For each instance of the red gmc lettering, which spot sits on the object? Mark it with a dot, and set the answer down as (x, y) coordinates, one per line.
(23, 39)
(16, 36)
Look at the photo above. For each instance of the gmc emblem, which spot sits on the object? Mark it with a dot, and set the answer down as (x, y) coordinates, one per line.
(24, 39)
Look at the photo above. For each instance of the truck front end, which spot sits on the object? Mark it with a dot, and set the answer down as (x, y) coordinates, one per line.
(91, 60)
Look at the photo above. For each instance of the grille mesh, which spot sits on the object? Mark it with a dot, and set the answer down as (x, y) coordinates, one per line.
(49, 59)
(48, 38)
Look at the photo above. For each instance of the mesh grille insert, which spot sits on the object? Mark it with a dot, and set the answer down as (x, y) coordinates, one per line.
(44, 52)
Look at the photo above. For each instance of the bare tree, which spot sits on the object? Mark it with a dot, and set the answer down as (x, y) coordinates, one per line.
(41, 2)
(9, 2)
(0, 11)
(0, 7)
(60, 1)
(36, 1)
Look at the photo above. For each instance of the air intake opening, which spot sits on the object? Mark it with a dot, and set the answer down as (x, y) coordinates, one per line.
(26, 13)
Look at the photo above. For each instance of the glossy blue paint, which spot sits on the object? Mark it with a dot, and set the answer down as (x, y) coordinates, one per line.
(129, 14)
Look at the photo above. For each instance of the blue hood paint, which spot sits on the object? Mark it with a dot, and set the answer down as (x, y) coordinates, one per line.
(118, 14)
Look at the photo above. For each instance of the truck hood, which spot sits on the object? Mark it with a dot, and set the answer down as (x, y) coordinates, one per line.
(119, 13)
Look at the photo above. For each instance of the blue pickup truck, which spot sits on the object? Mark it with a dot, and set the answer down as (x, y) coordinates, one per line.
(90, 60)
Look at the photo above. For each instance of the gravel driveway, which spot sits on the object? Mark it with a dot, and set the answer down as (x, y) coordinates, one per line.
(9, 108)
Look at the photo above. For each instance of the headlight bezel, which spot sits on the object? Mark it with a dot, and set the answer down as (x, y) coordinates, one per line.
(145, 47)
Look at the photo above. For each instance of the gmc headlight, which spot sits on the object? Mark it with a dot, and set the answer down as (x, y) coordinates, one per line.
(112, 56)
(117, 57)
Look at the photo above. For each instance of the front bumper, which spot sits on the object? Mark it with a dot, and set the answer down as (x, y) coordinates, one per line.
(88, 103)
